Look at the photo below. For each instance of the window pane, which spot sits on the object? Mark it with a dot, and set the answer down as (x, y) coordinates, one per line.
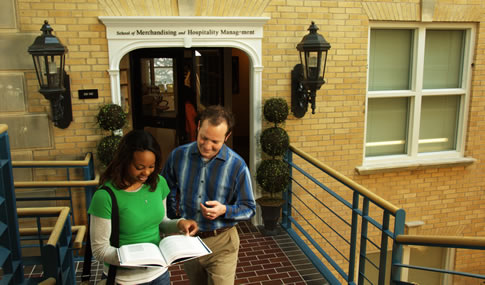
(387, 125)
(439, 123)
(163, 68)
(443, 59)
(157, 77)
(390, 59)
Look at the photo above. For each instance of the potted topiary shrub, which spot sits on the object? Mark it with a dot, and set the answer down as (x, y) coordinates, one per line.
(111, 117)
(273, 174)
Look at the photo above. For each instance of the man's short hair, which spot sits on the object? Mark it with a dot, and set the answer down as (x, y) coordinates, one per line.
(216, 114)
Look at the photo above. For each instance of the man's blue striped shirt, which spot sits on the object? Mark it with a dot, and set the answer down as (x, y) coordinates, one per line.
(225, 178)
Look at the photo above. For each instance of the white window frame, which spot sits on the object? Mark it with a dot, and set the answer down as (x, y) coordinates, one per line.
(412, 158)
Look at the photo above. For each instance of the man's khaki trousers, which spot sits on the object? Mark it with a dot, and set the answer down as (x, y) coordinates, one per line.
(219, 267)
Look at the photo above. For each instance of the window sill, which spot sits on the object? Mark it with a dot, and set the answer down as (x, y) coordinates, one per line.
(413, 165)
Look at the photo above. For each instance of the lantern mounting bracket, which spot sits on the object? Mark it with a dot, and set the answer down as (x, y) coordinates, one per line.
(62, 106)
(299, 95)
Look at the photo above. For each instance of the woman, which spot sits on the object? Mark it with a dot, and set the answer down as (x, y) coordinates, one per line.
(140, 192)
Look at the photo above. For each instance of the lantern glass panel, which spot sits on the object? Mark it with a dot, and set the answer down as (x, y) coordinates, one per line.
(302, 61)
(39, 69)
(312, 60)
(50, 71)
(324, 62)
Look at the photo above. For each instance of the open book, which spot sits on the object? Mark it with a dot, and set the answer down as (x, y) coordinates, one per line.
(171, 250)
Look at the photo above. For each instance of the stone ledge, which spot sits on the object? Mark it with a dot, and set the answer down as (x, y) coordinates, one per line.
(413, 165)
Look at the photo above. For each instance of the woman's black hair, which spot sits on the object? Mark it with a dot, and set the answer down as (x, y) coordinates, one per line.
(117, 170)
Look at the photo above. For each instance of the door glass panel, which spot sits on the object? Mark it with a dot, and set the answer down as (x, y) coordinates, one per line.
(209, 75)
(157, 84)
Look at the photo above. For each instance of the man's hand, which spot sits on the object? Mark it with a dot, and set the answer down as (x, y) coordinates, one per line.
(212, 209)
(188, 227)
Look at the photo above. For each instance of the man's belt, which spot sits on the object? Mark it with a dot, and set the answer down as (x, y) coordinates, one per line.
(212, 233)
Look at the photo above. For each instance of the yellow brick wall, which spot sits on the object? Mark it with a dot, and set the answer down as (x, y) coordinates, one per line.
(75, 23)
(449, 200)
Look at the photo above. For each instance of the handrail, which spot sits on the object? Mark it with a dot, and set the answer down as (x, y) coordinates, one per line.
(3, 128)
(359, 222)
(391, 229)
(454, 241)
(67, 183)
(79, 230)
(337, 175)
(63, 213)
(56, 254)
(47, 163)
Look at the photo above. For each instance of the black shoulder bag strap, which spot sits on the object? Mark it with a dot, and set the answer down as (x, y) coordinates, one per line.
(114, 241)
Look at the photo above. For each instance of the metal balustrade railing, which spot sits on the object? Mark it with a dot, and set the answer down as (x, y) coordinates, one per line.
(56, 256)
(10, 254)
(474, 244)
(49, 192)
(340, 224)
(88, 182)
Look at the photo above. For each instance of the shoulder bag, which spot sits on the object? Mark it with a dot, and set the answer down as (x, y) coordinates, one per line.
(114, 241)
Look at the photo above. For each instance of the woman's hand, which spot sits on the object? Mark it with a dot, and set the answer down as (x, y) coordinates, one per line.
(188, 227)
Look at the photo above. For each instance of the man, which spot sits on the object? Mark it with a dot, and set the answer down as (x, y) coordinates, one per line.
(213, 185)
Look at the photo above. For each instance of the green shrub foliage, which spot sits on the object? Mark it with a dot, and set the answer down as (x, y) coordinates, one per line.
(274, 141)
(275, 110)
(107, 148)
(111, 117)
(273, 175)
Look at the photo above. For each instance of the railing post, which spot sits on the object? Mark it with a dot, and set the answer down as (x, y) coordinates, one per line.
(353, 236)
(363, 240)
(397, 249)
(285, 219)
(384, 244)
(89, 175)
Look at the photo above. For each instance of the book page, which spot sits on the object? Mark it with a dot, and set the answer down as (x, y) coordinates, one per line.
(140, 254)
(177, 248)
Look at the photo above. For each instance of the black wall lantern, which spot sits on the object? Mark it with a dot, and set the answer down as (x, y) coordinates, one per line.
(49, 58)
(308, 76)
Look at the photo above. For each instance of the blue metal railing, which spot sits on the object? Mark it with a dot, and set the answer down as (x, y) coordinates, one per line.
(337, 223)
(56, 256)
(88, 183)
(470, 243)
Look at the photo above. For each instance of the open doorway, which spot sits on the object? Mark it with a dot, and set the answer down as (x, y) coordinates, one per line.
(168, 86)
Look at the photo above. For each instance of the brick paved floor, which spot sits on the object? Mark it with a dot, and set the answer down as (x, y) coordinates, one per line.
(263, 260)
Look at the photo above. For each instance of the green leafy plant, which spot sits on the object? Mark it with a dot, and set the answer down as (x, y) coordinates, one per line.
(107, 148)
(275, 110)
(274, 141)
(110, 117)
(273, 174)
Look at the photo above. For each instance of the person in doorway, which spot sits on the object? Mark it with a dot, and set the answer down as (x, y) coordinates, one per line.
(214, 188)
(190, 103)
(190, 115)
(133, 176)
